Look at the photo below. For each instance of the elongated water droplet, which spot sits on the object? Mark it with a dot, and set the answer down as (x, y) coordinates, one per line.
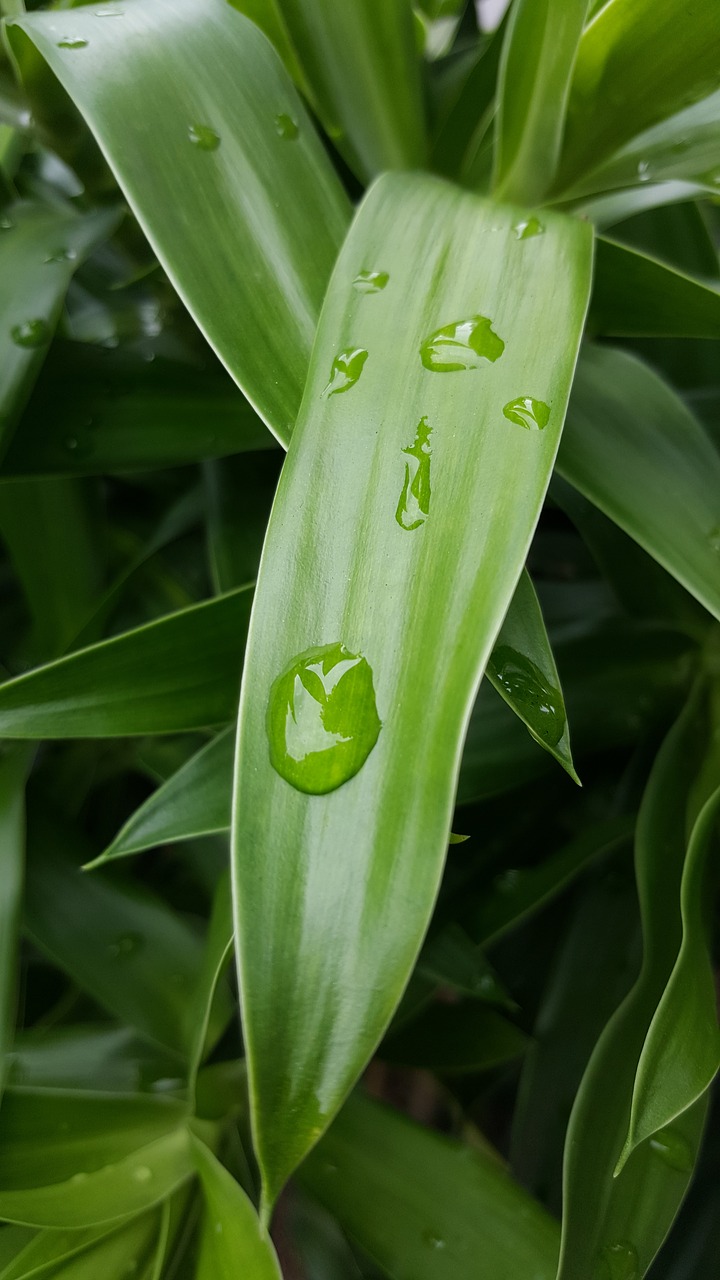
(322, 720)
(528, 228)
(462, 345)
(61, 255)
(414, 505)
(203, 137)
(72, 42)
(286, 127)
(622, 1261)
(370, 281)
(532, 414)
(526, 685)
(31, 333)
(345, 370)
(674, 1149)
(643, 171)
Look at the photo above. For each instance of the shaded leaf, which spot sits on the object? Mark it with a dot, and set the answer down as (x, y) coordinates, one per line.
(636, 295)
(452, 1038)
(230, 1235)
(14, 766)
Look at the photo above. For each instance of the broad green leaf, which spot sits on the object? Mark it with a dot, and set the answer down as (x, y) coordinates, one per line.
(612, 1221)
(362, 66)
(539, 51)
(93, 1056)
(14, 766)
(630, 439)
(180, 672)
(607, 210)
(231, 1241)
(72, 1255)
(40, 249)
(452, 1038)
(636, 295)
(243, 211)
(639, 61)
(425, 1207)
(417, 585)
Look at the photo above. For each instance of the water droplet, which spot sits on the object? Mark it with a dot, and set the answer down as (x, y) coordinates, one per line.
(218, 1228)
(142, 1173)
(643, 171)
(31, 333)
(508, 880)
(62, 255)
(527, 412)
(462, 345)
(433, 1240)
(109, 13)
(77, 1178)
(414, 505)
(714, 538)
(345, 370)
(286, 127)
(370, 281)
(622, 1261)
(6, 224)
(126, 945)
(526, 686)
(71, 443)
(72, 42)
(322, 720)
(528, 228)
(203, 137)
(674, 1149)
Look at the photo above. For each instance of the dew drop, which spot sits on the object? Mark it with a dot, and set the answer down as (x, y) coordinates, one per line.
(643, 171)
(322, 720)
(527, 412)
(6, 224)
(413, 507)
(673, 1149)
(203, 137)
(622, 1261)
(218, 1228)
(71, 443)
(126, 945)
(77, 1178)
(370, 281)
(345, 370)
(286, 127)
(529, 228)
(433, 1240)
(31, 333)
(142, 1174)
(72, 42)
(61, 255)
(462, 345)
(526, 686)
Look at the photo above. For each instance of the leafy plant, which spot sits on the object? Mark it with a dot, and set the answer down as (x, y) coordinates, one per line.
(469, 281)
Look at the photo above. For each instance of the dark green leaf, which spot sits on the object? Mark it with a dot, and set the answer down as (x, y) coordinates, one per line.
(635, 295)
(450, 1038)
(14, 766)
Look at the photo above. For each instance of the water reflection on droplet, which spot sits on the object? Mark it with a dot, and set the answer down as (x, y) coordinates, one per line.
(414, 504)
(528, 228)
(541, 705)
(465, 344)
(72, 42)
(286, 127)
(622, 1261)
(203, 137)
(673, 1149)
(30, 333)
(345, 370)
(527, 412)
(322, 720)
(370, 281)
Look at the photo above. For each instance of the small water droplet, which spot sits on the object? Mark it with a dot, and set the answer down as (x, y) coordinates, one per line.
(527, 412)
(203, 137)
(643, 171)
(286, 128)
(714, 538)
(526, 686)
(71, 443)
(462, 345)
(31, 333)
(62, 255)
(6, 224)
(674, 1149)
(218, 1228)
(370, 281)
(528, 228)
(414, 505)
(77, 1178)
(142, 1173)
(72, 42)
(622, 1261)
(126, 945)
(322, 720)
(345, 370)
(109, 13)
(433, 1240)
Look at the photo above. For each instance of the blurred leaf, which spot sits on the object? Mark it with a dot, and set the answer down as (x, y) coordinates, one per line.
(75, 1255)
(450, 1038)
(231, 1242)
(676, 234)
(634, 294)
(94, 1056)
(245, 218)
(240, 492)
(452, 959)
(14, 765)
(211, 1009)
(466, 110)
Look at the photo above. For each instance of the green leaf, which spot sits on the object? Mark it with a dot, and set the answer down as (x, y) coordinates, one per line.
(676, 234)
(245, 221)
(636, 295)
(177, 673)
(628, 439)
(93, 1056)
(211, 1008)
(39, 252)
(450, 958)
(425, 1207)
(72, 1255)
(417, 599)
(450, 1039)
(231, 1241)
(14, 765)
(539, 51)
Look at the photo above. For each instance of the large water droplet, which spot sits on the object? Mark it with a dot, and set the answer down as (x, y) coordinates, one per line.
(527, 412)
(203, 137)
(322, 720)
(286, 127)
(31, 333)
(526, 686)
(72, 42)
(528, 228)
(126, 945)
(622, 1261)
(414, 505)
(345, 370)
(462, 345)
(370, 281)
(674, 1149)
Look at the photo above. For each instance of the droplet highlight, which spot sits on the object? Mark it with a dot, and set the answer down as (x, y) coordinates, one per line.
(61, 255)
(643, 171)
(528, 229)
(31, 333)
(673, 1149)
(370, 281)
(527, 412)
(413, 507)
(322, 720)
(203, 137)
(525, 685)
(622, 1261)
(465, 344)
(6, 224)
(345, 370)
(286, 127)
(72, 42)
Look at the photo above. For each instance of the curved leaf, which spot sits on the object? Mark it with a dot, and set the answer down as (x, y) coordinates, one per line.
(231, 1241)
(636, 295)
(77, 1255)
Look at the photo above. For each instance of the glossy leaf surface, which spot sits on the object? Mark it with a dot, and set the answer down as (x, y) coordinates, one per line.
(230, 1237)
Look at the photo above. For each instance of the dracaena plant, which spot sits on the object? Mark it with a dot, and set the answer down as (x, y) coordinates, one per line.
(314, 958)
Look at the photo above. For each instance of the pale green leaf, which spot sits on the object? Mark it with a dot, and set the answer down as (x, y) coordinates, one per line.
(231, 1240)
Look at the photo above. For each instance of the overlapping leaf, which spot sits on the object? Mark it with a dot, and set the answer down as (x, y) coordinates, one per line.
(230, 1236)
